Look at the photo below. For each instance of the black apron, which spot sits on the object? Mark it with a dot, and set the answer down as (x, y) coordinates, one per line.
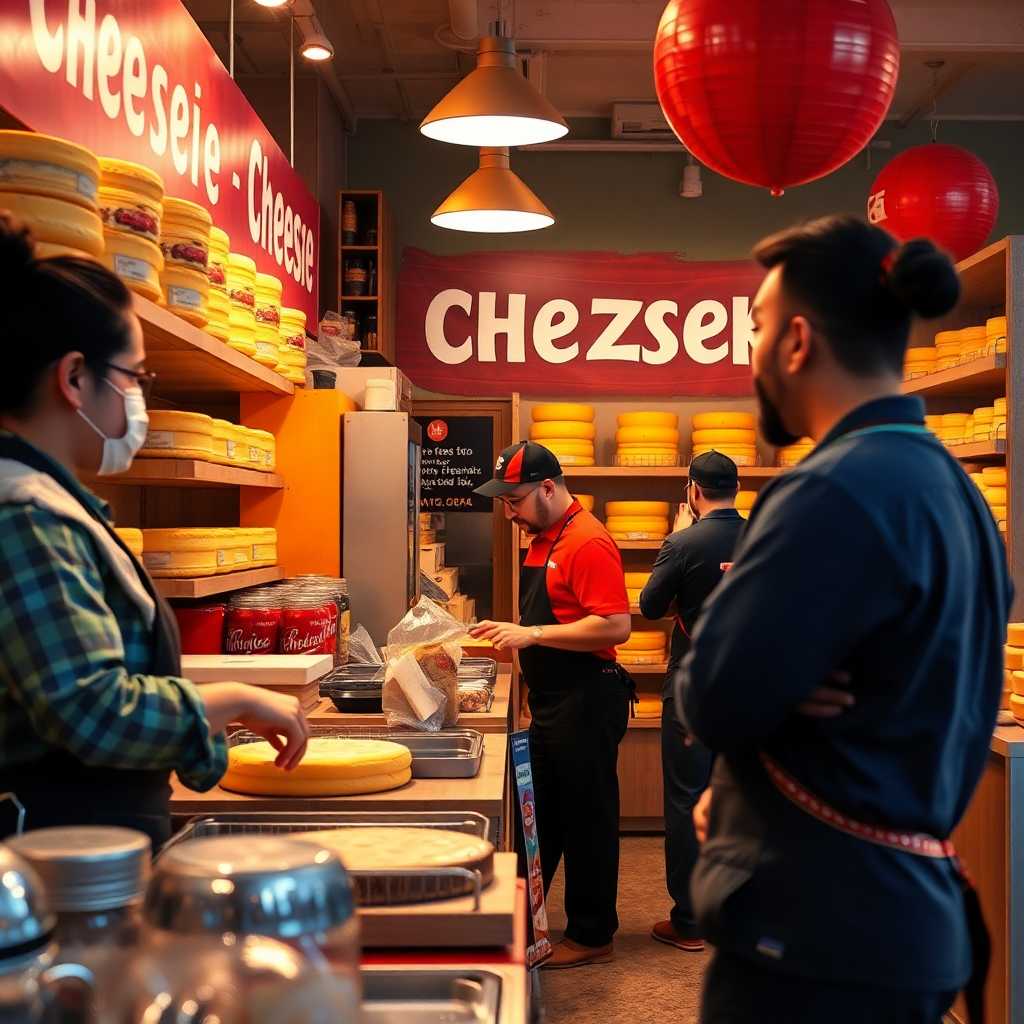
(579, 704)
(58, 788)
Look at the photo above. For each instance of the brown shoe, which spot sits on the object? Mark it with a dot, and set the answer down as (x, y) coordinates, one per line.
(664, 931)
(571, 954)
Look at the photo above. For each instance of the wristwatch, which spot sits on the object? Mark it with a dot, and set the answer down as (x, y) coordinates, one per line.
(537, 633)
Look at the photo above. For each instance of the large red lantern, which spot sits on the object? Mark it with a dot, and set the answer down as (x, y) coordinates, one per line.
(776, 92)
(936, 191)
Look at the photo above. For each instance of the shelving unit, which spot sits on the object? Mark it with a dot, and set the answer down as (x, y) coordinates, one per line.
(209, 586)
(664, 472)
(975, 377)
(193, 473)
(372, 214)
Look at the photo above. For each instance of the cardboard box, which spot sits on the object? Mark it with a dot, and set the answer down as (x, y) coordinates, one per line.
(448, 580)
(431, 558)
(270, 670)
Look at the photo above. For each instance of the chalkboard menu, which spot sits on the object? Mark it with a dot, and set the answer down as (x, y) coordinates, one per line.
(458, 455)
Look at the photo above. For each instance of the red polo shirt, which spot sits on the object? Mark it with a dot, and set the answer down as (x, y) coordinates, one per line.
(584, 575)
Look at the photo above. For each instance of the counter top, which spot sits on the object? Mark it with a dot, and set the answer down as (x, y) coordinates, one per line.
(1008, 740)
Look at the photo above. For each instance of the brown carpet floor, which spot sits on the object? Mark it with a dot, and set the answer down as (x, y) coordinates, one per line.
(648, 982)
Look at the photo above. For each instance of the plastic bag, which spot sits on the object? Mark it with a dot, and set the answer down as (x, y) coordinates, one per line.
(421, 680)
(362, 650)
(332, 348)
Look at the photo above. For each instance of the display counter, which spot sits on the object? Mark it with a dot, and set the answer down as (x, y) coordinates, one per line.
(487, 794)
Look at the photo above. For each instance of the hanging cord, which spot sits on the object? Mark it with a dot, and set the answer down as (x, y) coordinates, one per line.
(231, 39)
(291, 88)
(933, 122)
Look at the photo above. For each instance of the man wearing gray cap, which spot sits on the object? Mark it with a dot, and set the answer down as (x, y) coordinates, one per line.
(688, 567)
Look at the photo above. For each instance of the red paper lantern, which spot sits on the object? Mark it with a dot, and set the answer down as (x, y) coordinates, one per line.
(936, 191)
(776, 92)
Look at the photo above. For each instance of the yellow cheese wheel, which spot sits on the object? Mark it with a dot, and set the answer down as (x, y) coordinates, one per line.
(170, 553)
(646, 435)
(995, 495)
(638, 535)
(628, 658)
(267, 344)
(995, 327)
(56, 221)
(636, 508)
(136, 260)
(576, 460)
(185, 293)
(562, 428)
(983, 415)
(637, 524)
(560, 445)
(1015, 634)
(132, 539)
(648, 419)
(1017, 706)
(745, 499)
(724, 435)
(742, 456)
(726, 420)
(955, 419)
(563, 411)
(637, 579)
(175, 435)
(647, 447)
(645, 640)
(333, 765)
(1017, 683)
(43, 165)
(921, 353)
(633, 595)
(586, 500)
(1013, 658)
(646, 458)
(994, 476)
(998, 513)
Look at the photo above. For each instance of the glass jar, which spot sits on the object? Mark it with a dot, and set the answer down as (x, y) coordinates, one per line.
(336, 590)
(355, 277)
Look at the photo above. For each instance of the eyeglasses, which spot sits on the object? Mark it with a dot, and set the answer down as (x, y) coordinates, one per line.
(144, 378)
(514, 503)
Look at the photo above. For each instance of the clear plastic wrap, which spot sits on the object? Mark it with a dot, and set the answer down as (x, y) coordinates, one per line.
(361, 648)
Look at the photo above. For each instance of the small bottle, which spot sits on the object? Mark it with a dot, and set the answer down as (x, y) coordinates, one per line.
(355, 277)
(372, 284)
(349, 223)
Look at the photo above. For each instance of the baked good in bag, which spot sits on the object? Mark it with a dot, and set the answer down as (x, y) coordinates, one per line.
(441, 671)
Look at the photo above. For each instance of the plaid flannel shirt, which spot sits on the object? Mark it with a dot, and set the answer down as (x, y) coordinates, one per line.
(73, 655)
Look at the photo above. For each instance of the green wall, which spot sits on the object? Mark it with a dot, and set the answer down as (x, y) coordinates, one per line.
(630, 202)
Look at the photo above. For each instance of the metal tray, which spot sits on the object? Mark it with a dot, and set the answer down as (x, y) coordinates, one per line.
(431, 996)
(350, 677)
(449, 754)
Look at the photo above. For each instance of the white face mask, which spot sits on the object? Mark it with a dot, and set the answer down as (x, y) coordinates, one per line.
(118, 452)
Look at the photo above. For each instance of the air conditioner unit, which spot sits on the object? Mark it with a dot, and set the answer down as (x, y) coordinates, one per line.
(640, 121)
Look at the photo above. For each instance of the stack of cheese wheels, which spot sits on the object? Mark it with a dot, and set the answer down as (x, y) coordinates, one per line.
(241, 279)
(51, 186)
(731, 433)
(999, 419)
(637, 520)
(178, 435)
(920, 361)
(647, 439)
(131, 206)
(934, 424)
(268, 319)
(947, 349)
(1013, 673)
(218, 302)
(745, 502)
(635, 583)
(567, 429)
(204, 551)
(586, 500)
(1015, 663)
(333, 766)
(794, 453)
(223, 442)
(994, 488)
(972, 343)
(957, 428)
(133, 540)
(983, 421)
(648, 705)
(291, 352)
(995, 335)
(644, 647)
(185, 243)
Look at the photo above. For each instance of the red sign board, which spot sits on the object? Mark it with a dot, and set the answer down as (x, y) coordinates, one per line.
(575, 323)
(137, 80)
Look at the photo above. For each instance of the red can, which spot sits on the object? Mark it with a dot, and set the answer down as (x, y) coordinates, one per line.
(252, 631)
(309, 630)
(202, 629)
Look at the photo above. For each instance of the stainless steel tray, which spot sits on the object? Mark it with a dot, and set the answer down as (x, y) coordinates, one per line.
(449, 754)
(352, 676)
(431, 996)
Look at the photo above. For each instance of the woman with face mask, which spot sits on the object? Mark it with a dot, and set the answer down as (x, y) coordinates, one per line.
(94, 714)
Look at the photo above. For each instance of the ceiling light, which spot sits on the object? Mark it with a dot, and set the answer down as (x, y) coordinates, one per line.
(494, 105)
(316, 46)
(493, 199)
(691, 187)
(273, 3)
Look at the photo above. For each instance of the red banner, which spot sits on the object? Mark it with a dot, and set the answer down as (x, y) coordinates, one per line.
(575, 323)
(137, 80)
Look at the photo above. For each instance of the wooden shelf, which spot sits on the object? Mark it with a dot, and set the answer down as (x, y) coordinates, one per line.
(679, 472)
(358, 298)
(644, 723)
(983, 275)
(623, 545)
(207, 586)
(979, 375)
(185, 358)
(979, 450)
(647, 670)
(192, 473)
(359, 248)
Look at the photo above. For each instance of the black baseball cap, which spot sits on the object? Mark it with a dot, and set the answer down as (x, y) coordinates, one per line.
(524, 463)
(715, 470)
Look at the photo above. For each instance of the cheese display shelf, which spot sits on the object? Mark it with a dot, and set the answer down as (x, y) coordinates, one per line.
(671, 472)
(979, 376)
(979, 450)
(193, 473)
(208, 586)
(624, 545)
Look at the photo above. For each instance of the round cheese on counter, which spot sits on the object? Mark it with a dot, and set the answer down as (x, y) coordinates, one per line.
(726, 420)
(176, 435)
(562, 429)
(44, 165)
(667, 420)
(563, 411)
(647, 435)
(368, 848)
(333, 766)
(132, 539)
(637, 524)
(636, 508)
(644, 640)
(56, 221)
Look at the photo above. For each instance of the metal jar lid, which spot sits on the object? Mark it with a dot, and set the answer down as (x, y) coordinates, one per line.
(249, 885)
(26, 921)
(88, 868)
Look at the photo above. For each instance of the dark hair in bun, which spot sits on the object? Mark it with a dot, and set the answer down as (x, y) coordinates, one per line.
(860, 287)
(51, 307)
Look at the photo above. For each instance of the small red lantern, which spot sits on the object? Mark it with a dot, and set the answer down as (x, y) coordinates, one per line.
(776, 92)
(936, 191)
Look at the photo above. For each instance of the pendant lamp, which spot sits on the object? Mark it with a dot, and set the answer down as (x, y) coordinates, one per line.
(493, 199)
(494, 105)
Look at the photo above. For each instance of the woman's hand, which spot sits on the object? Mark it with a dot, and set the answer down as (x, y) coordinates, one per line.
(274, 716)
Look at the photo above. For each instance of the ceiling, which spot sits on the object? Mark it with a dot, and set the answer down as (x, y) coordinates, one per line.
(397, 58)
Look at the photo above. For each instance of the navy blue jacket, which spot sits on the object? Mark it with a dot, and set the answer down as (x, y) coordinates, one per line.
(877, 555)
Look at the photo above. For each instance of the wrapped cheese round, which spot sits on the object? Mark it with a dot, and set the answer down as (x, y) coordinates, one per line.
(646, 435)
(648, 419)
(726, 420)
(333, 766)
(562, 428)
(636, 508)
(563, 411)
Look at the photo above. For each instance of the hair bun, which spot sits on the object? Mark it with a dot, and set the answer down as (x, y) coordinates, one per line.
(17, 250)
(924, 279)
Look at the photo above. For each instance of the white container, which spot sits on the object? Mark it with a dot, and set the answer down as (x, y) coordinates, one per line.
(353, 380)
(380, 395)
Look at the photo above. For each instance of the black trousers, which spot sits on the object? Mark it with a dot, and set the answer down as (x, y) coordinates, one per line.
(686, 771)
(738, 991)
(574, 744)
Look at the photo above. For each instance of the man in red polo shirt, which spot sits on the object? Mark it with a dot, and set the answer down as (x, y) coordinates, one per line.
(573, 610)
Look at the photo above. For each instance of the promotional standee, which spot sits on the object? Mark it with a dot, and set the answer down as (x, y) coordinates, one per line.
(137, 80)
